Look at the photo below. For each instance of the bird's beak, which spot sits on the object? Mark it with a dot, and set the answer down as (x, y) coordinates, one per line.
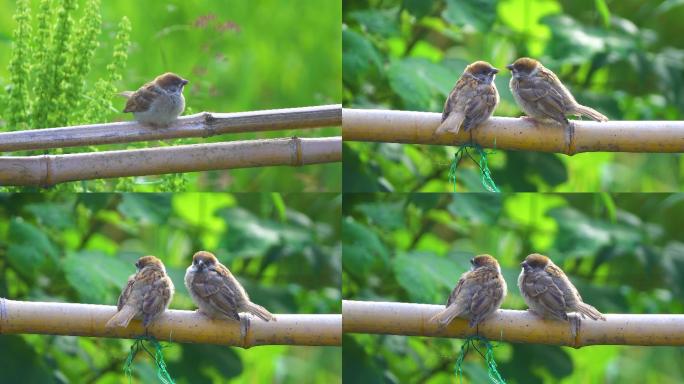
(184, 82)
(510, 67)
(495, 71)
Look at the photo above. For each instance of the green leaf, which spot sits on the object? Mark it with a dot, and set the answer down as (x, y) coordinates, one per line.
(470, 178)
(523, 167)
(95, 201)
(359, 366)
(480, 14)
(147, 208)
(96, 276)
(424, 201)
(199, 360)
(360, 59)
(550, 168)
(478, 208)
(421, 84)
(389, 216)
(529, 362)
(30, 248)
(378, 22)
(578, 236)
(667, 5)
(279, 204)
(424, 275)
(248, 236)
(673, 264)
(362, 248)
(602, 9)
(574, 43)
(419, 8)
(53, 215)
(21, 363)
(22, 232)
(357, 174)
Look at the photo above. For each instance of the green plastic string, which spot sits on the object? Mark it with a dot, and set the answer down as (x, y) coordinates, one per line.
(486, 176)
(158, 357)
(493, 373)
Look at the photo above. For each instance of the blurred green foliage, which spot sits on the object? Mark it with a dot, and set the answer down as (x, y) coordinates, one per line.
(625, 58)
(624, 252)
(285, 250)
(238, 57)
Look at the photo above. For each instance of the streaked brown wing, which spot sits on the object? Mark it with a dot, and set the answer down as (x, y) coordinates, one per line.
(457, 290)
(489, 293)
(543, 289)
(479, 107)
(125, 294)
(216, 289)
(564, 284)
(547, 99)
(141, 99)
(156, 295)
(451, 103)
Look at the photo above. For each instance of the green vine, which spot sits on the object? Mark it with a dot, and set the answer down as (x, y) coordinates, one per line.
(18, 101)
(49, 66)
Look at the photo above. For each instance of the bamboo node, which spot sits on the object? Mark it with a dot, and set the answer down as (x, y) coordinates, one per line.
(575, 323)
(297, 151)
(570, 142)
(245, 326)
(3, 312)
(209, 121)
(49, 174)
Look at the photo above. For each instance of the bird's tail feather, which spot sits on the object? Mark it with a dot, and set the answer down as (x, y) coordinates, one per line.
(590, 113)
(444, 317)
(121, 318)
(588, 310)
(451, 124)
(260, 312)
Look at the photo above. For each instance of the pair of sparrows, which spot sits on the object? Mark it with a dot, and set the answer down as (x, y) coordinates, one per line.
(544, 286)
(211, 285)
(536, 89)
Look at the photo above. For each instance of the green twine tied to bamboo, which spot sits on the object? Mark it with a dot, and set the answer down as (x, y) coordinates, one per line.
(492, 372)
(158, 357)
(486, 176)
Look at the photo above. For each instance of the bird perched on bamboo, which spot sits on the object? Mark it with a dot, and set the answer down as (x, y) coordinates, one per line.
(158, 102)
(146, 295)
(217, 292)
(478, 294)
(549, 293)
(541, 95)
(472, 100)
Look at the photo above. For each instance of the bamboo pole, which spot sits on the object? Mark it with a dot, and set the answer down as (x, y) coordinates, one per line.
(514, 326)
(522, 134)
(173, 325)
(47, 170)
(203, 124)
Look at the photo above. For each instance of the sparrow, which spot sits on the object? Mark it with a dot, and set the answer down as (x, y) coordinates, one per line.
(541, 95)
(478, 294)
(472, 100)
(549, 293)
(216, 292)
(159, 102)
(146, 295)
